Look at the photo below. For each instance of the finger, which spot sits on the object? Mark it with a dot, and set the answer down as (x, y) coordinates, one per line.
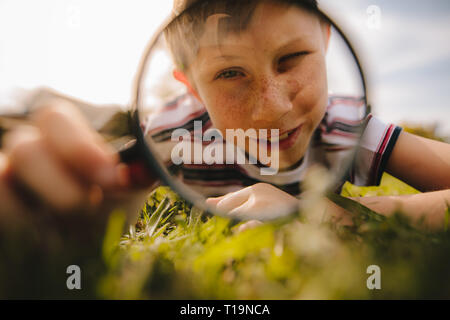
(11, 209)
(249, 225)
(36, 167)
(243, 211)
(213, 201)
(234, 200)
(69, 135)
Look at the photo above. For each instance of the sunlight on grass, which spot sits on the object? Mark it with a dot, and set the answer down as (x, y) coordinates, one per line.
(190, 255)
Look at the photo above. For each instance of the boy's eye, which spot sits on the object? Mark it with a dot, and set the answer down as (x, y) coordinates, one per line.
(229, 74)
(292, 55)
(289, 60)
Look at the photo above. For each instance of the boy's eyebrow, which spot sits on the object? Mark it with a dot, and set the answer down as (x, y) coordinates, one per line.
(297, 40)
(225, 57)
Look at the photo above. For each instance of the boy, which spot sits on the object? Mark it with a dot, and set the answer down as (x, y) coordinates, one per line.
(246, 93)
(292, 96)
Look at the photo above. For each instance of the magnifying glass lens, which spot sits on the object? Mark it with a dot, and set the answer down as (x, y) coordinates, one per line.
(237, 102)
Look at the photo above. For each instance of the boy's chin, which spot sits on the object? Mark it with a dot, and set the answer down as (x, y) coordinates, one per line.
(293, 155)
(287, 159)
(290, 160)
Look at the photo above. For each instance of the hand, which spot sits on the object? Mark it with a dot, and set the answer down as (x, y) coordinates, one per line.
(259, 201)
(61, 160)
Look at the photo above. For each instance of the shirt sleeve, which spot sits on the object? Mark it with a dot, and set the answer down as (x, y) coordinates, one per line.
(179, 114)
(377, 142)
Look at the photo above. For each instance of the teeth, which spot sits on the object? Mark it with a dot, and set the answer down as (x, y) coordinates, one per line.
(284, 136)
(277, 138)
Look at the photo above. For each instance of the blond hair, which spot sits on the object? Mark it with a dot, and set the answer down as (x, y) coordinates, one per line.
(183, 33)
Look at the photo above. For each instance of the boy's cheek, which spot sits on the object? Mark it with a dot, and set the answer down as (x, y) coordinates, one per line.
(312, 101)
(227, 112)
(313, 97)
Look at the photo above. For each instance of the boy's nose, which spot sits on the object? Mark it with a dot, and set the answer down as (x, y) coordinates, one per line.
(272, 101)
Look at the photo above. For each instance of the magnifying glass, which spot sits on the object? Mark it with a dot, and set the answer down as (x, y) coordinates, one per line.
(236, 102)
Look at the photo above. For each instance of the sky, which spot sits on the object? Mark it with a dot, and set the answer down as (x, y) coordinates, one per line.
(91, 50)
(406, 55)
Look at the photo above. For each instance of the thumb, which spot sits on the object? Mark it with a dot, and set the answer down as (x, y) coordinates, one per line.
(213, 201)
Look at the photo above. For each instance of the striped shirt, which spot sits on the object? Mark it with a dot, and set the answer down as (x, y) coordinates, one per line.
(332, 146)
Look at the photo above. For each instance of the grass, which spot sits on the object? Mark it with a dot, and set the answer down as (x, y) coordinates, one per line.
(174, 252)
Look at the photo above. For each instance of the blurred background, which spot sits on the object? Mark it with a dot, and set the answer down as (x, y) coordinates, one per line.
(91, 50)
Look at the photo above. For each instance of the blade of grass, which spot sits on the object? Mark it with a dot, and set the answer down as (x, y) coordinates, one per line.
(161, 230)
(169, 214)
(162, 208)
(356, 208)
(195, 216)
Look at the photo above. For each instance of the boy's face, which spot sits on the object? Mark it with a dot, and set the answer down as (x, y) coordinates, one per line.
(272, 75)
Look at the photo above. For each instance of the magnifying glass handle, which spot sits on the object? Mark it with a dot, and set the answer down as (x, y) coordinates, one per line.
(139, 172)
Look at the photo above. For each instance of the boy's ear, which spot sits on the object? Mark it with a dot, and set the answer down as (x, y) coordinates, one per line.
(327, 34)
(180, 76)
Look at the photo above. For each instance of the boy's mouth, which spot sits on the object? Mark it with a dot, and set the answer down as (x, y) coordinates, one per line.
(282, 136)
(286, 139)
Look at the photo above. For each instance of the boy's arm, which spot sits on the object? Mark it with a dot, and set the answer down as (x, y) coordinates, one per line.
(423, 164)
(420, 162)
(64, 163)
(428, 208)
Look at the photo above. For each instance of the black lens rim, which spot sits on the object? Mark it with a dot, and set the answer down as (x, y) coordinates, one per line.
(145, 146)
